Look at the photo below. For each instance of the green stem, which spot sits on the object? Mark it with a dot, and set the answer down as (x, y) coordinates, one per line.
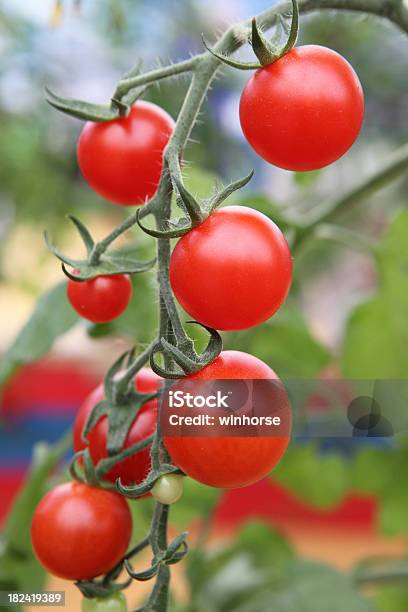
(346, 237)
(329, 210)
(395, 166)
(126, 84)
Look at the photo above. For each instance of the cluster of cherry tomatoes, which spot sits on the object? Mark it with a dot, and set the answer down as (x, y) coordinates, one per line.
(231, 272)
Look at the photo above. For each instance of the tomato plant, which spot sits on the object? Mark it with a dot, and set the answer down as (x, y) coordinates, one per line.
(101, 299)
(233, 271)
(79, 532)
(136, 467)
(122, 159)
(303, 111)
(229, 462)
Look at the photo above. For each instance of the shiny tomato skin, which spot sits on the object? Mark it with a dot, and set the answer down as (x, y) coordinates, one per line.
(233, 271)
(122, 159)
(134, 469)
(229, 462)
(304, 111)
(101, 299)
(79, 532)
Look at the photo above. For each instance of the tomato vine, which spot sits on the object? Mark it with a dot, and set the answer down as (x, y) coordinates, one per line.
(179, 356)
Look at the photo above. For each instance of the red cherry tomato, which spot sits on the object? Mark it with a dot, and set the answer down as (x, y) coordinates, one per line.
(134, 469)
(100, 299)
(233, 271)
(229, 462)
(79, 532)
(122, 159)
(305, 110)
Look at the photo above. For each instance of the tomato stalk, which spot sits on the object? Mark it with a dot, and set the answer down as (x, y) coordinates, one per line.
(172, 341)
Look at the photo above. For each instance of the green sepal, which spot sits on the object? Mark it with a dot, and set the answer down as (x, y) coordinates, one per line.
(188, 203)
(81, 109)
(146, 574)
(84, 233)
(263, 49)
(180, 227)
(100, 588)
(214, 346)
(266, 51)
(197, 211)
(187, 364)
(134, 491)
(109, 264)
(173, 554)
(89, 468)
(104, 465)
(212, 203)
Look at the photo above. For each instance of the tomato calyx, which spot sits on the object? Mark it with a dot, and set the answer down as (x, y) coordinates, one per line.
(266, 51)
(184, 355)
(98, 262)
(197, 211)
(104, 587)
(175, 552)
(119, 107)
(121, 405)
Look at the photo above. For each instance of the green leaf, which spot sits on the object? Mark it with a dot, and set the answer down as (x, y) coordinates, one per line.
(393, 508)
(286, 344)
(372, 469)
(310, 587)
(251, 540)
(376, 340)
(52, 317)
(392, 599)
(317, 478)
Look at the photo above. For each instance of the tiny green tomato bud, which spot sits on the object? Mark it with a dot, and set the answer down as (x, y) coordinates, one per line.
(168, 489)
(113, 603)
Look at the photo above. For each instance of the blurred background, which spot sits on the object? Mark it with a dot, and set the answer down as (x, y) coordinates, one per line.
(332, 503)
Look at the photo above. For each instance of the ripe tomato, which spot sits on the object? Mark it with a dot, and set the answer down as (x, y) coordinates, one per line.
(229, 462)
(305, 110)
(122, 159)
(79, 532)
(134, 469)
(100, 299)
(233, 271)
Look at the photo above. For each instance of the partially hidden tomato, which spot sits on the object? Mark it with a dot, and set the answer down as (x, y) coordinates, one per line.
(122, 159)
(236, 461)
(135, 468)
(233, 271)
(79, 532)
(101, 299)
(113, 603)
(305, 110)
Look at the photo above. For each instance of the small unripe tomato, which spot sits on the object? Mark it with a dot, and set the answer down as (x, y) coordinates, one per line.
(113, 603)
(168, 489)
